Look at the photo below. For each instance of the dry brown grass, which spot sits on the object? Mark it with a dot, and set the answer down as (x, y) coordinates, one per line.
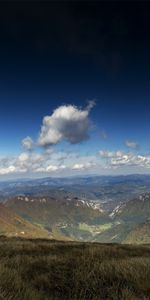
(42, 270)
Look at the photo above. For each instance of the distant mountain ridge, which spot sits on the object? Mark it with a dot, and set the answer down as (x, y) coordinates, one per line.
(73, 180)
(90, 208)
(107, 189)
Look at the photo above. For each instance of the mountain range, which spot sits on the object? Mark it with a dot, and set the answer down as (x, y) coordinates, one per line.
(102, 209)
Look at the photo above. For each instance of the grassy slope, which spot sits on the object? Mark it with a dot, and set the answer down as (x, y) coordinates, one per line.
(135, 210)
(12, 224)
(116, 234)
(140, 234)
(42, 270)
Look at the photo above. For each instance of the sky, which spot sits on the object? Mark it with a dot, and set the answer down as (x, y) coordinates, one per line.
(74, 88)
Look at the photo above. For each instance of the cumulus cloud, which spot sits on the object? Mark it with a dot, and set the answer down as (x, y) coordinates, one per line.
(7, 170)
(78, 167)
(83, 166)
(120, 159)
(117, 159)
(55, 168)
(28, 143)
(29, 162)
(124, 159)
(131, 144)
(68, 123)
(23, 157)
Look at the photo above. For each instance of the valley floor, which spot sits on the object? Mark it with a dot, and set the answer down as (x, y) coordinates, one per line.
(44, 269)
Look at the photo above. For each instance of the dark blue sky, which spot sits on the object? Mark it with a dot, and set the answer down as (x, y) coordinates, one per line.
(60, 53)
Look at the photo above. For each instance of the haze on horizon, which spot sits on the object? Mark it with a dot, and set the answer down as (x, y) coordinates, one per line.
(74, 88)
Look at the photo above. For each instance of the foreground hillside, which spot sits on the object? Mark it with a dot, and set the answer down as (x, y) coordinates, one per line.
(13, 225)
(44, 269)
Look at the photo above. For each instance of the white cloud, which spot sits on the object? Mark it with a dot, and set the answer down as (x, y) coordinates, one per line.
(124, 159)
(28, 143)
(115, 158)
(7, 170)
(68, 123)
(55, 168)
(55, 162)
(83, 166)
(130, 159)
(131, 144)
(78, 167)
(23, 157)
(118, 159)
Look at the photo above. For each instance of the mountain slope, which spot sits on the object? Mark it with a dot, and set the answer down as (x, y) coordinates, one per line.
(49, 211)
(116, 234)
(55, 215)
(140, 234)
(134, 210)
(13, 225)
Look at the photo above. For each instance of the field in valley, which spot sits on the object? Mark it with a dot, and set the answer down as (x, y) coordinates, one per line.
(44, 269)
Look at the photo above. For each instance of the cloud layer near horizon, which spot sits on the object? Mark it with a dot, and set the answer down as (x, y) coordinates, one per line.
(59, 162)
(45, 162)
(120, 158)
(72, 124)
